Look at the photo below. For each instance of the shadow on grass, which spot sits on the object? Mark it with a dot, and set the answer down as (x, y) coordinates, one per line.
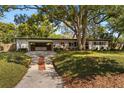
(86, 67)
(110, 52)
(63, 55)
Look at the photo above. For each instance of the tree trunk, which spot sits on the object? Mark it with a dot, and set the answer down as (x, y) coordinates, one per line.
(84, 28)
(79, 41)
(84, 40)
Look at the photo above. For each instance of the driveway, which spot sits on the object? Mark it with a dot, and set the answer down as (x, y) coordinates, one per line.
(38, 79)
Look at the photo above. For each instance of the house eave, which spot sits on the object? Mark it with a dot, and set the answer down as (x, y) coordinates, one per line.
(59, 39)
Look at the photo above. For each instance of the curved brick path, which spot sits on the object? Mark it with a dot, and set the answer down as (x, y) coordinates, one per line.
(37, 79)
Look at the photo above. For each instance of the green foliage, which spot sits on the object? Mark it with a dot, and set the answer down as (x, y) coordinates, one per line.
(56, 35)
(16, 57)
(121, 39)
(115, 23)
(35, 27)
(58, 49)
(23, 30)
(7, 32)
(79, 18)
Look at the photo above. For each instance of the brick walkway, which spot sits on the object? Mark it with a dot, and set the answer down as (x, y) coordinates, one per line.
(37, 79)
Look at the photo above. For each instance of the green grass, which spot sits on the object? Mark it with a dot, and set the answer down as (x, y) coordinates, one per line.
(89, 63)
(12, 72)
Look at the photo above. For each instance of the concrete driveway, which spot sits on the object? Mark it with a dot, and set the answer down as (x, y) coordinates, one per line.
(38, 79)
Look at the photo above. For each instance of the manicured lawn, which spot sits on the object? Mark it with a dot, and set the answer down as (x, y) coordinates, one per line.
(85, 67)
(13, 66)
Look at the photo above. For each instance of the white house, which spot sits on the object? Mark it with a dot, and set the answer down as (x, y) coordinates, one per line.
(48, 44)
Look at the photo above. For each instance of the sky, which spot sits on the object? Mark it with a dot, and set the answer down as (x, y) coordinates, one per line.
(9, 16)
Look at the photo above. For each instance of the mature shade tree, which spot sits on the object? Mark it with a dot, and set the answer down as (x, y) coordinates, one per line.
(74, 17)
(7, 32)
(23, 30)
(34, 26)
(41, 26)
(115, 25)
(77, 18)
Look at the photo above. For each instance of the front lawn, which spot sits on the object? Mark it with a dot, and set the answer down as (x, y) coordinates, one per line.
(91, 69)
(13, 66)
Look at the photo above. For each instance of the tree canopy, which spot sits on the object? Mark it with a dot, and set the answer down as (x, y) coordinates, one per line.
(7, 32)
(82, 21)
(34, 26)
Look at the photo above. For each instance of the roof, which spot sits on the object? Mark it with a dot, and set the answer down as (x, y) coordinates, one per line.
(43, 38)
(59, 39)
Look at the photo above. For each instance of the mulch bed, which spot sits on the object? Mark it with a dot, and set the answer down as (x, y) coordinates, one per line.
(109, 81)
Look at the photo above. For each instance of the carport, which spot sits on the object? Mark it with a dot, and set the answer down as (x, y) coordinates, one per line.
(40, 45)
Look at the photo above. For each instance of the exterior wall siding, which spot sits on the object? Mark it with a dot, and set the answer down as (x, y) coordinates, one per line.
(22, 43)
(58, 43)
(93, 47)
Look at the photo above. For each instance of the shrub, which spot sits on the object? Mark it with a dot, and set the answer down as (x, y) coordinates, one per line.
(95, 49)
(23, 50)
(19, 58)
(102, 49)
(26, 63)
(58, 49)
(113, 49)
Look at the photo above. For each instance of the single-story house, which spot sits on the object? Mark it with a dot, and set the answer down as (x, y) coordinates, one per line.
(48, 44)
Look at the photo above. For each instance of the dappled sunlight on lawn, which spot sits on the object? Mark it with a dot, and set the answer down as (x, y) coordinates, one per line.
(115, 56)
(88, 65)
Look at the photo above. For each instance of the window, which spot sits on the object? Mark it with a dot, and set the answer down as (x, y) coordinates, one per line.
(99, 43)
(70, 43)
(95, 43)
(62, 43)
(75, 44)
(102, 43)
